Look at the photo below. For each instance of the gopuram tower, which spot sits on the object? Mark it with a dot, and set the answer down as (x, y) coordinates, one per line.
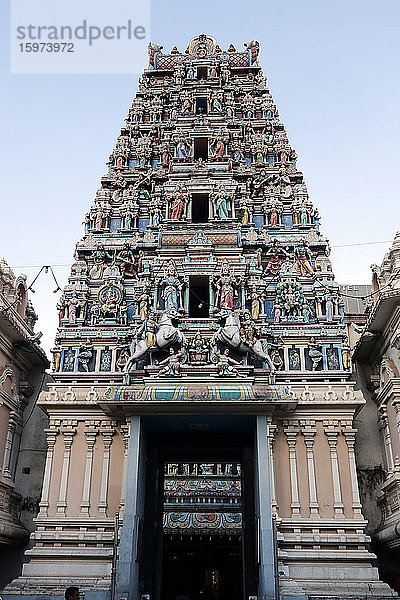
(201, 368)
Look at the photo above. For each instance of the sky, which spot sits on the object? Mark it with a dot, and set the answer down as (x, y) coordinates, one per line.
(332, 69)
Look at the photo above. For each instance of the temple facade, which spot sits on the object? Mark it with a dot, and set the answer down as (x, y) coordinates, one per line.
(201, 436)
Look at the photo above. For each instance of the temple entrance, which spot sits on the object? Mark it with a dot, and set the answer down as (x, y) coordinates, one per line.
(199, 526)
(202, 568)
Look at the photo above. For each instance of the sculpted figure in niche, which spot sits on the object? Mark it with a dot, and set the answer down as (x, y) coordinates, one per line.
(275, 256)
(74, 307)
(226, 286)
(172, 292)
(221, 200)
(143, 304)
(256, 298)
(127, 261)
(183, 148)
(314, 352)
(100, 257)
(303, 259)
(245, 210)
(177, 203)
(84, 356)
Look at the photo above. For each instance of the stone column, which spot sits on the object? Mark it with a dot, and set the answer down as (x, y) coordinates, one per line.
(267, 567)
(332, 435)
(107, 440)
(90, 434)
(12, 424)
(291, 436)
(350, 435)
(309, 435)
(127, 585)
(384, 425)
(51, 434)
(125, 431)
(271, 431)
(68, 433)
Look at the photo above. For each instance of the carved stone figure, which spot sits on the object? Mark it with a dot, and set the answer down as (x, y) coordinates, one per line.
(172, 288)
(314, 352)
(303, 259)
(225, 362)
(85, 354)
(99, 256)
(229, 334)
(221, 201)
(171, 365)
(275, 257)
(226, 287)
(127, 261)
(178, 203)
(163, 334)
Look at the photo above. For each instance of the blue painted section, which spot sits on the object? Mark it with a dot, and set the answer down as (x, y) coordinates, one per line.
(247, 161)
(115, 224)
(142, 224)
(287, 221)
(267, 567)
(131, 312)
(271, 161)
(154, 163)
(132, 163)
(258, 221)
(269, 309)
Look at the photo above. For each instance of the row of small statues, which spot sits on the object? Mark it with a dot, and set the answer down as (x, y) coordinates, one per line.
(201, 351)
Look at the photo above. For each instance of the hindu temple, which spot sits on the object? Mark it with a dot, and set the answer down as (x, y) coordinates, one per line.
(201, 439)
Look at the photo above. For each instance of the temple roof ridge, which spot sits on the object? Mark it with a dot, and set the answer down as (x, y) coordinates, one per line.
(200, 47)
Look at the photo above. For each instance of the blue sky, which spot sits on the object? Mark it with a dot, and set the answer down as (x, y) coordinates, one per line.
(333, 72)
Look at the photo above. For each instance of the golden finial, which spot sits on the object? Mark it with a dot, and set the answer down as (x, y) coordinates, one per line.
(175, 50)
(231, 48)
(217, 49)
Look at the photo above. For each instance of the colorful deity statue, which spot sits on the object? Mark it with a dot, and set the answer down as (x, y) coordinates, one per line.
(221, 201)
(183, 148)
(226, 287)
(303, 259)
(178, 203)
(218, 146)
(225, 364)
(275, 257)
(127, 261)
(172, 364)
(143, 303)
(245, 209)
(256, 298)
(315, 354)
(99, 257)
(172, 288)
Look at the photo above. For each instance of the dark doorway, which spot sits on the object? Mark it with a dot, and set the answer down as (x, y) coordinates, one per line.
(199, 521)
(200, 208)
(199, 297)
(201, 72)
(201, 106)
(201, 148)
(203, 568)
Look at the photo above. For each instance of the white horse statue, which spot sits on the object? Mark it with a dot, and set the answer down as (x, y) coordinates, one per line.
(167, 334)
(229, 334)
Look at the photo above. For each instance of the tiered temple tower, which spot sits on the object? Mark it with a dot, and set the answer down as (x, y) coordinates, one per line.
(201, 368)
